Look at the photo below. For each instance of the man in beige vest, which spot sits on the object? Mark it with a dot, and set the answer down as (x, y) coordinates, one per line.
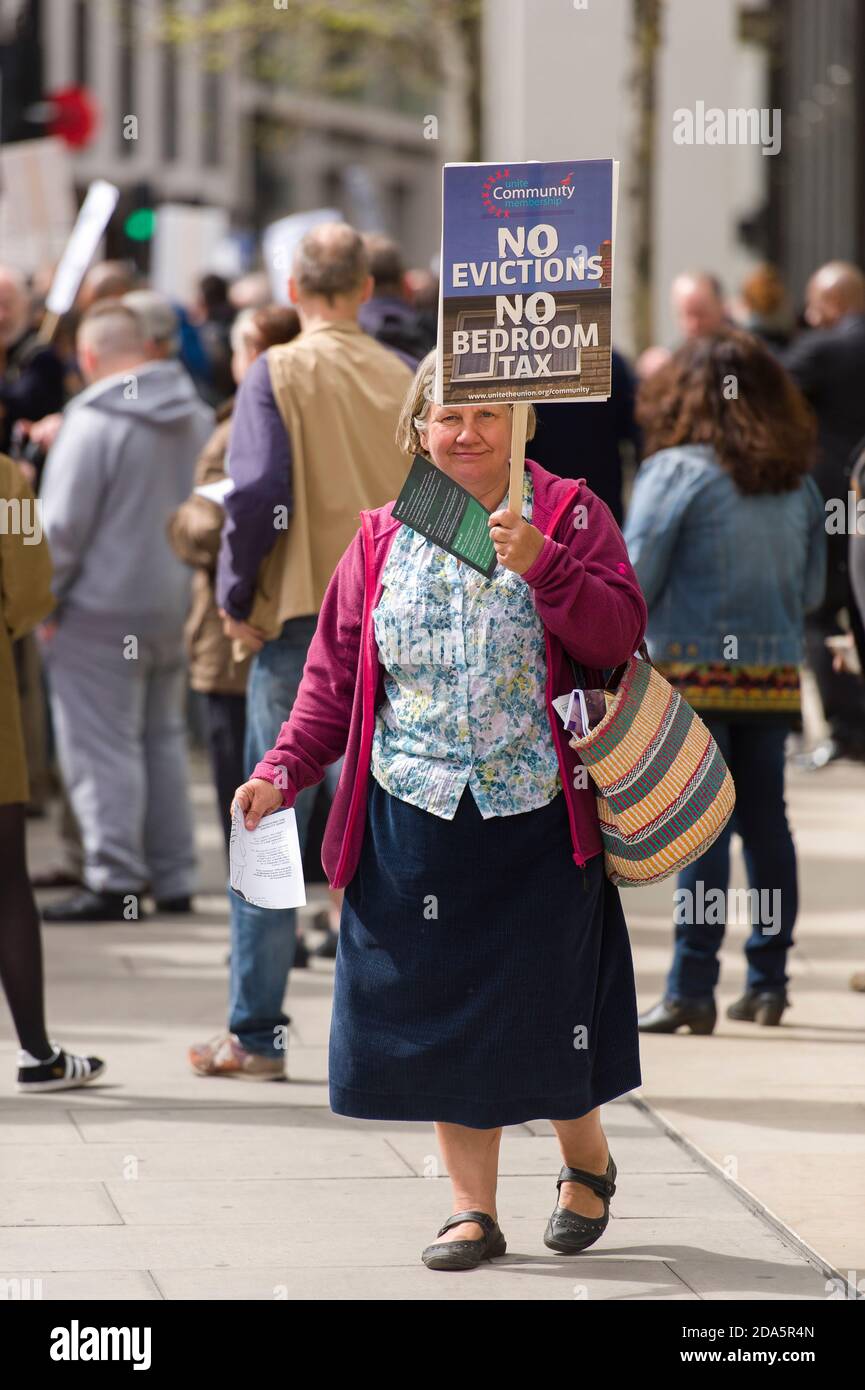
(312, 443)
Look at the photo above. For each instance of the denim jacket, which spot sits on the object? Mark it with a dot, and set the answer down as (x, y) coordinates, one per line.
(714, 563)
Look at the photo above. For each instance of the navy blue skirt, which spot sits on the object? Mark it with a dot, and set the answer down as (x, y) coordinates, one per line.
(482, 978)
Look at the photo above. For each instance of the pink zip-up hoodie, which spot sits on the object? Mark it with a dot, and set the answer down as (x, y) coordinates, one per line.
(586, 593)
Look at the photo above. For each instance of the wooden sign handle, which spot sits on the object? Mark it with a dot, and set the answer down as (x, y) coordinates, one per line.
(518, 457)
(50, 321)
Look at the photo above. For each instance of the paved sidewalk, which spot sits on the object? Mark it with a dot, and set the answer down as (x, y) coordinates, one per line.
(782, 1110)
(157, 1184)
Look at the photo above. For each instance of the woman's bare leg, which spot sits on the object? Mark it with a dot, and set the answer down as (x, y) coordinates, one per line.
(472, 1160)
(583, 1145)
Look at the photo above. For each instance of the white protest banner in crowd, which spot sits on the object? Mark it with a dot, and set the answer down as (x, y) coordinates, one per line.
(280, 240)
(187, 242)
(37, 202)
(526, 281)
(93, 218)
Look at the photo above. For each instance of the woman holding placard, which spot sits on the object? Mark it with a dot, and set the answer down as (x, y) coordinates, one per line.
(484, 973)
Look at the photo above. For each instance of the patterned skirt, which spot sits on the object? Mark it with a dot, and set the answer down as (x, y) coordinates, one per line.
(718, 690)
(482, 978)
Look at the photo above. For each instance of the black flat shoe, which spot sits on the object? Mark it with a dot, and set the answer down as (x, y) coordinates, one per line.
(568, 1231)
(326, 949)
(178, 907)
(670, 1014)
(58, 877)
(829, 751)
(466, 1254)
(765, 1006)
(88, 906)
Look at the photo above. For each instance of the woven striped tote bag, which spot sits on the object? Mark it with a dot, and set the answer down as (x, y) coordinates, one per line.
(664, 790)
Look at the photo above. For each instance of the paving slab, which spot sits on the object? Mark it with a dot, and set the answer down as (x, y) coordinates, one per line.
(58, 1203)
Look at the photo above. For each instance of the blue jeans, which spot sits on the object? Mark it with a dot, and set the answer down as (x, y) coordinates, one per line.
(755, 757)
(263, 940)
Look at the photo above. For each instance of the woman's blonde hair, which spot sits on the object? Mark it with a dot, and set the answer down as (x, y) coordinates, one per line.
(415, 409)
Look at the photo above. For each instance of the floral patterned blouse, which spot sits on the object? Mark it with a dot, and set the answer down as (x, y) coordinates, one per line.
(465, 683)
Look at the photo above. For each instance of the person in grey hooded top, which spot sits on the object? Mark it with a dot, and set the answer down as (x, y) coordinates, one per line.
(122, 463)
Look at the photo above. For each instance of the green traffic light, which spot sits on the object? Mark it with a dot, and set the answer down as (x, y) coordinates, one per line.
(140, 225)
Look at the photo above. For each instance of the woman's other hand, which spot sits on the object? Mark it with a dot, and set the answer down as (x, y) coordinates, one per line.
(518, 544)
(256, 798)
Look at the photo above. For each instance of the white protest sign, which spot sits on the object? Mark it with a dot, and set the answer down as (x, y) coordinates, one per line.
(37, 202)
(81, 247)
(280, 240)
(187, 243)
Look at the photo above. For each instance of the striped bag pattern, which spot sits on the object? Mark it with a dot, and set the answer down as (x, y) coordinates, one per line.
(665, 792)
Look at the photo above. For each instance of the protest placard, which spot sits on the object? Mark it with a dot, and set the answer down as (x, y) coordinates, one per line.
(526, 286)
(526, 282)
(37, 202)
(187, 241)
(93, 217)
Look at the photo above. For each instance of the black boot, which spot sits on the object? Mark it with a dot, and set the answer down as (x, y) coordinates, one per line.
(177, 907)
(765, 1006)
(829, 751)
(88, 906)
(326, 949)
(700, 1015)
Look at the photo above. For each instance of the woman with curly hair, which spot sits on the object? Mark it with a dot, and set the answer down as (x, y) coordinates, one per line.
(726, 533)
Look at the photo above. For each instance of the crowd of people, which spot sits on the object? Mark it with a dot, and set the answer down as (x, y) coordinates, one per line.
(143, 580)
(199, 472)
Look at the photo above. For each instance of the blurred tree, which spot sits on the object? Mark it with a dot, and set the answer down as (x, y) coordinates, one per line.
(416, 56)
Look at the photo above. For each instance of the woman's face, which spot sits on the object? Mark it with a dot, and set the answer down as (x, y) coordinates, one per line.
(471, 443)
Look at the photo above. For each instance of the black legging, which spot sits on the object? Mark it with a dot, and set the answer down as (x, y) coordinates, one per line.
(20, 936)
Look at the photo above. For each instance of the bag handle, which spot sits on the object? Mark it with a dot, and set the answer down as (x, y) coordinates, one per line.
(610, 675)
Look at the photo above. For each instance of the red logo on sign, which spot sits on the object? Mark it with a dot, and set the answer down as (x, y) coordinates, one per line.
(487, 196)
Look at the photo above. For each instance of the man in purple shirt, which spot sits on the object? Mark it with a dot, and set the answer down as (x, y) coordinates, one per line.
(259, 463)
